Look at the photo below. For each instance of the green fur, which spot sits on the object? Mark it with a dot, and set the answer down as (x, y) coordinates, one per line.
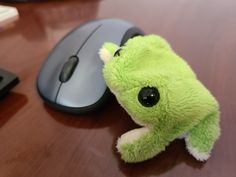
(185, 107)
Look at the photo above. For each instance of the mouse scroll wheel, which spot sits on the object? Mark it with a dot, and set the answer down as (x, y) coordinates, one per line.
(68, 69)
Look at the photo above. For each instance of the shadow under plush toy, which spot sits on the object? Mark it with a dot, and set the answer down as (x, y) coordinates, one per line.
(161, 93)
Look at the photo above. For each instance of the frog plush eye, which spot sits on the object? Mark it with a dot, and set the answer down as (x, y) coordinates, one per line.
(117, 53)
(148, 96)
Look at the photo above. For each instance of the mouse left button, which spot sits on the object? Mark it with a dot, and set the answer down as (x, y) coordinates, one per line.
(68, 69)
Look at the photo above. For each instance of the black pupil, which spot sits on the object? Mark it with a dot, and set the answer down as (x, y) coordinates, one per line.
(117, 53)
(148, 96)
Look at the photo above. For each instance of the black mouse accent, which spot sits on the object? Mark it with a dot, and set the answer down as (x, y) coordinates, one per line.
(68, 69)
(132, 32)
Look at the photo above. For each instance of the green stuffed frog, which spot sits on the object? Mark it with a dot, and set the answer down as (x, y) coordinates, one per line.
(162, 94)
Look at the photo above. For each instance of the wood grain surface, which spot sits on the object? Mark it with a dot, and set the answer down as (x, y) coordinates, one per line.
(38, 141)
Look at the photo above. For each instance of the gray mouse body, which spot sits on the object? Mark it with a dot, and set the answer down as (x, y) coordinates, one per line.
(71, 78)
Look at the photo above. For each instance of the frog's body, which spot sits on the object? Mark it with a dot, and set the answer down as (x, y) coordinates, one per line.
(183, 106)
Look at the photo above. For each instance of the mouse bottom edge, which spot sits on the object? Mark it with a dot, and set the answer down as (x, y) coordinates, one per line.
(83, 110)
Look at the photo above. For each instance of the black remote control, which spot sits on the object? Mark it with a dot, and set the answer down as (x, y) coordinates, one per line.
(8, 80)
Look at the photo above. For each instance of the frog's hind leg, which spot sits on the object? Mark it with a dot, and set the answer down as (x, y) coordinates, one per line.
(201, 138)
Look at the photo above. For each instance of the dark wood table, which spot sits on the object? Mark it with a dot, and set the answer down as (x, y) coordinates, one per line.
(38, 141)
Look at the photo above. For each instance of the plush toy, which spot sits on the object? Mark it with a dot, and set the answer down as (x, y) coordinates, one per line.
(161, 93)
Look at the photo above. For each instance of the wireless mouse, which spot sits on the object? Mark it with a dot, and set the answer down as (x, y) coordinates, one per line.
(71, 78)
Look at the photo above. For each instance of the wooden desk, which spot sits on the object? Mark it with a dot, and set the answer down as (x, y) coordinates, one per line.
(37, 141)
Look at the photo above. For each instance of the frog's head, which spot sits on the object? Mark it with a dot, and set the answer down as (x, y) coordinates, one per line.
(142, 75)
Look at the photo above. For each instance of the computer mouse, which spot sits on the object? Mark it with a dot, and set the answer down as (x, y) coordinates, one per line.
(71, 77)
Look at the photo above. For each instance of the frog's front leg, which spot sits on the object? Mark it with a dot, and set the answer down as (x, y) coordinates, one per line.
(201, 138)
(140, 144)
